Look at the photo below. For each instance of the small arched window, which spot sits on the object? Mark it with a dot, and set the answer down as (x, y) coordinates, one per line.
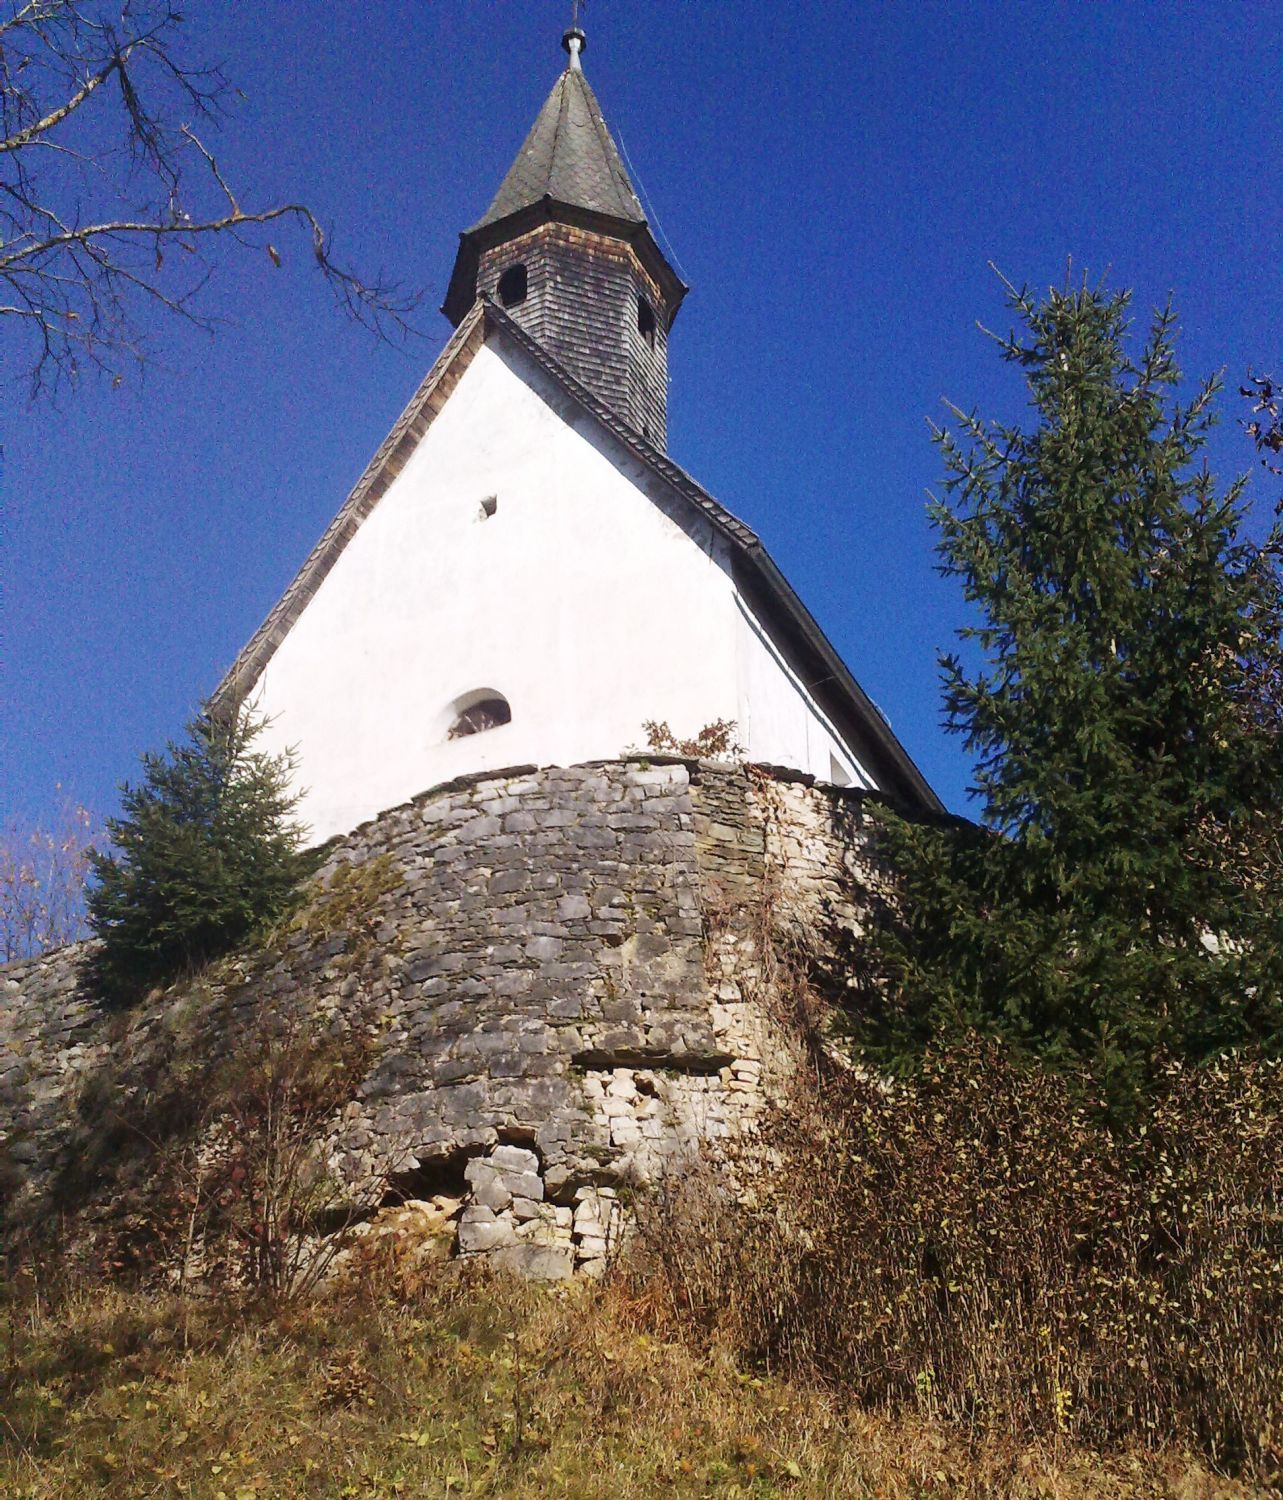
(512, 286)
(476, 712)
(645, 319)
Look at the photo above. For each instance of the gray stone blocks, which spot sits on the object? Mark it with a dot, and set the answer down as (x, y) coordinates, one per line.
(552, 976)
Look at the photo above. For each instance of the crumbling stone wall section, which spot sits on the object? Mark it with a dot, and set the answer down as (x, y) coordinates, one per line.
(561, 973)
(787, 870)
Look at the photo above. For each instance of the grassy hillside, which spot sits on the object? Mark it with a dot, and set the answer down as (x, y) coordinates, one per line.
(467, 1385)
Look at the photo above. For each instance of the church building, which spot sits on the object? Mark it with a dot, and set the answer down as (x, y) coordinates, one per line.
(522, 576)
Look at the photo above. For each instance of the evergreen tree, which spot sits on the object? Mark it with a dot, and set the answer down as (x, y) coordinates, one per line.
(206, 852)
(1121, 695)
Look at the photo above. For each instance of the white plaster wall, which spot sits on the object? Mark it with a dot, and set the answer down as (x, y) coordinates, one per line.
(581, 601)
(779, 721)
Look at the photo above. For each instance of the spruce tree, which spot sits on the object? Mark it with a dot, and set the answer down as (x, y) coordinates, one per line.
(206, 852)
(1120, 692)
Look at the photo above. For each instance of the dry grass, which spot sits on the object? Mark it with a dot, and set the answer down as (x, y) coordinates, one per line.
(980, 1245)
(470, 1386)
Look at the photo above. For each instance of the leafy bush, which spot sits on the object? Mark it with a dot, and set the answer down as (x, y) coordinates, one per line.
(207, 852)
(980, 1244)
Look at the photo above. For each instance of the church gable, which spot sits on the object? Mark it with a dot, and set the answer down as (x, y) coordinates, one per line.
(388, 461)
(605, 589)
(556, 388)
(524, 590)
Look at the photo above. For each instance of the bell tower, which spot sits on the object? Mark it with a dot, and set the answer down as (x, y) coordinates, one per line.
(566, 251)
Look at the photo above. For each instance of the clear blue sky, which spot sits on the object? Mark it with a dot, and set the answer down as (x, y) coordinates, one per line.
(833, 177)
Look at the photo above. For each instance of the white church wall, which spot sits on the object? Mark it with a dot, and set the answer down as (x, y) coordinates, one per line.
(779, 720)
(523, 553)
(578, 600)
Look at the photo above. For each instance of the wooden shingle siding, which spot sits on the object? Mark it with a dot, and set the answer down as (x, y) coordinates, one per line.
(581, 305)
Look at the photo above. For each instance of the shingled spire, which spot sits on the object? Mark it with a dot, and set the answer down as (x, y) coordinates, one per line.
(566, 249)
(568, 156)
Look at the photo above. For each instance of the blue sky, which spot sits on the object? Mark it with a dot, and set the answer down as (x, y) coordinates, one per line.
(833, 179)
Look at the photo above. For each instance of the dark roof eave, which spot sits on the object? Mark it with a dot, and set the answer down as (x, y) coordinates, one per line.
(461, 292)
(834, 681)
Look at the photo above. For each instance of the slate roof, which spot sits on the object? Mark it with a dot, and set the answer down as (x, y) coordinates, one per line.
(760, 580)
(568, 156)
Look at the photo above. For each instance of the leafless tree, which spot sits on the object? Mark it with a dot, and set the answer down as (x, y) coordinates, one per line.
(110, 197)
(42, 882)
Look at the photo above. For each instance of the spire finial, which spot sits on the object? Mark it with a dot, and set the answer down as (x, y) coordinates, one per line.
(574, 40)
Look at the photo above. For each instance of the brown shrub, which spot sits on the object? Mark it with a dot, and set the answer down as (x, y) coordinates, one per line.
(268, 1210)
(223, 1179)
(980, 1245)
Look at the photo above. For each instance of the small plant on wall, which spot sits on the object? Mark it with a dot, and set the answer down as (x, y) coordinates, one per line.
(716, 741)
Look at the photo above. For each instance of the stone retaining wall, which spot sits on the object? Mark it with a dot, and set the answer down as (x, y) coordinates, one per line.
(560, 972)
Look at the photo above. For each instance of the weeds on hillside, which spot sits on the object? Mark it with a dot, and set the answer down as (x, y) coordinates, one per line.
(978, 1245)
(473, 1386)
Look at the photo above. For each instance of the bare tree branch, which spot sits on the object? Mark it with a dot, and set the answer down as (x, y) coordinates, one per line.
(42, 881)
(56, 116)
(97, 185)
